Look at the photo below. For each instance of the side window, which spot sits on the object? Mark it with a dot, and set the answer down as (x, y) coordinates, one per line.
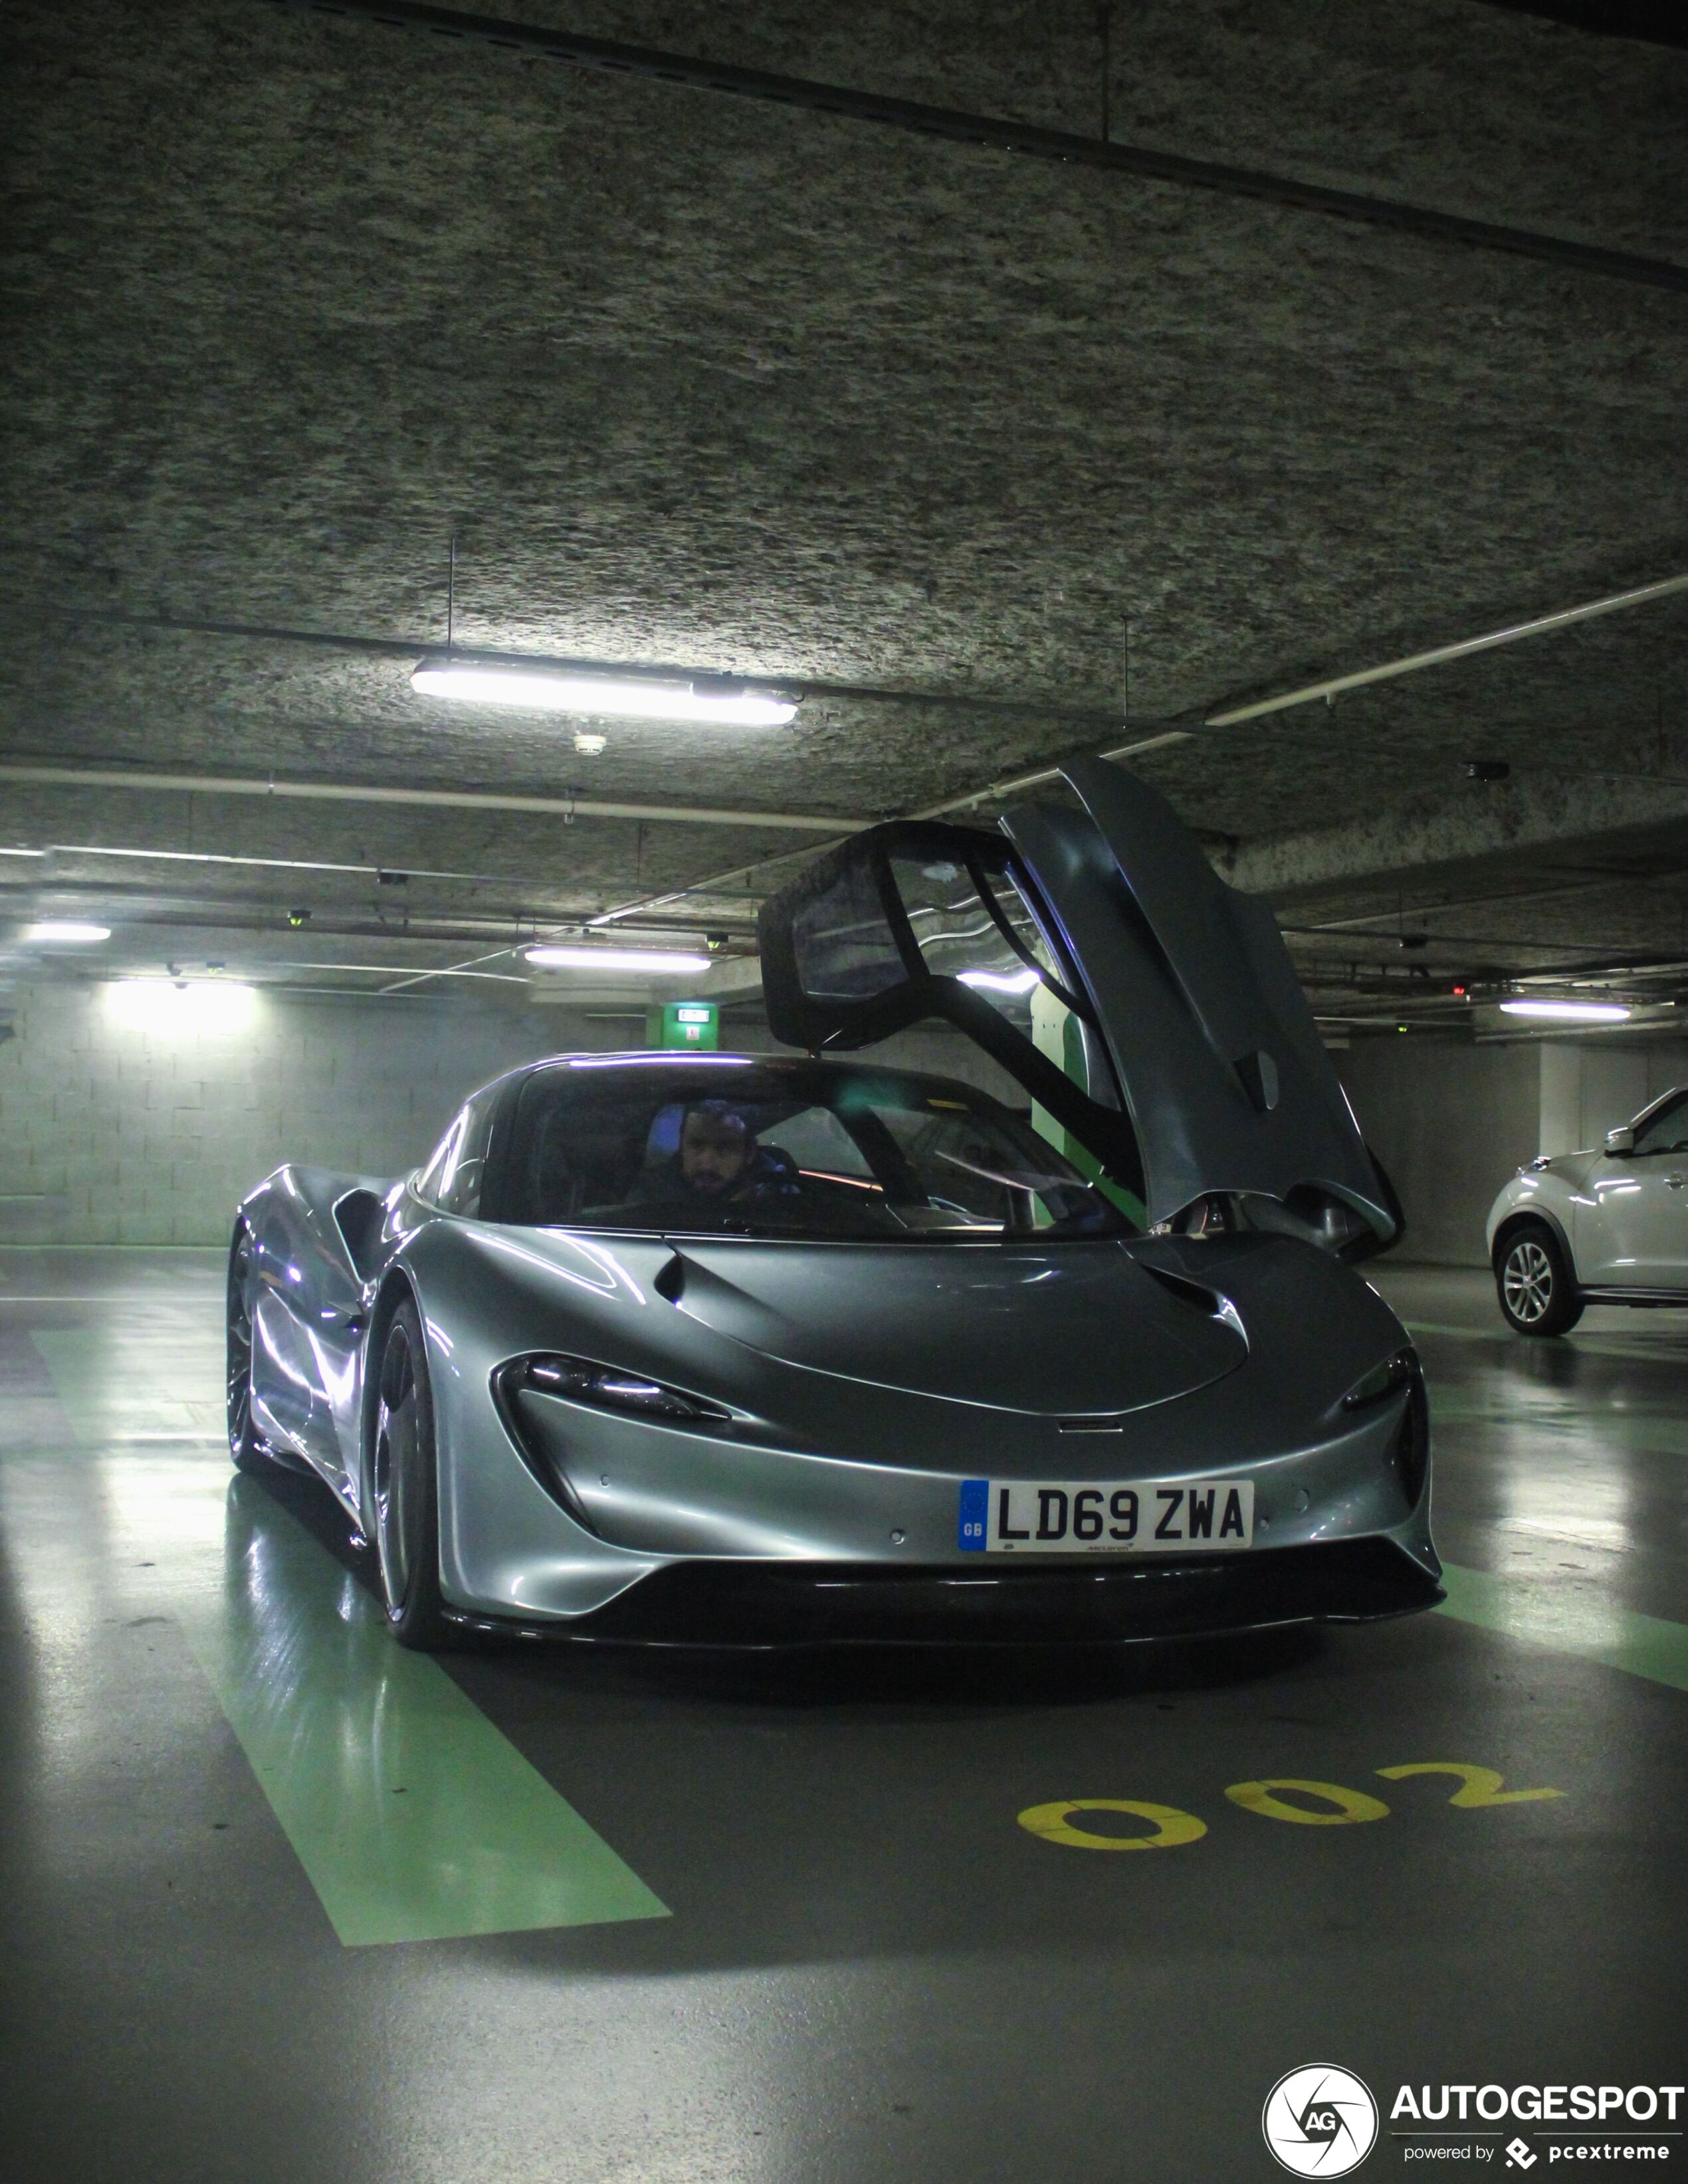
(818, 1142)
(452, 1178)
(1667, 1130)
(577, 1146)
(964, 1169)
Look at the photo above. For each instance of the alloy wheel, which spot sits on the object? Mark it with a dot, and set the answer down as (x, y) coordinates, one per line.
(238, 1379)
(1527, 1281)
(395, 1446)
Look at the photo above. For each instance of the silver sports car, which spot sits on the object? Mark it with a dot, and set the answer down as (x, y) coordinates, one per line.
(749, 1349)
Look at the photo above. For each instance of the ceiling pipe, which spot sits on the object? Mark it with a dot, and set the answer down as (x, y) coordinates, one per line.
(377, 971)
(1542, 625)
(52, 880)
(442, 799)
(55, 850)
(1016, 783)
(142, 908)
(997, 789)
(1331, 686)
(1063, 147)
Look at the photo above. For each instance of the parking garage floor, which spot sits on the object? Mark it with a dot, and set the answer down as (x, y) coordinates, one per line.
(295, 1904)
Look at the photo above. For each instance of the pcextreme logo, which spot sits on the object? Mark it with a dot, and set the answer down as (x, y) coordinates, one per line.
(1320, 2121)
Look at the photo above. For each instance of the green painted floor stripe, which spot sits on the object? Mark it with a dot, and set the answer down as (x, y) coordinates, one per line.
(1569, 1619)
(413, 1818)
(126, 1384)
(1598, 1345)
(1636, 1433)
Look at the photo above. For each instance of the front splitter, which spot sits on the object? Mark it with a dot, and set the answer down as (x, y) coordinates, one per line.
(764, 1605)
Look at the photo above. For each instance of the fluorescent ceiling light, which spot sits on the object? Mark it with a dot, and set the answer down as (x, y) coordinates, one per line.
(674, 960)
(66, 929)
(195, 1005)
(723, 703)
(1568, 1011)
(995, 982)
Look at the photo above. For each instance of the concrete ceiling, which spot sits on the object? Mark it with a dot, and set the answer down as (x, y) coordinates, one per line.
(996, 458)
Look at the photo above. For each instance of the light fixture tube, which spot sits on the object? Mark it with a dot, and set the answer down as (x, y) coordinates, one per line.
(69, 929)
(1568, 1011)
(201, 1004)
(552, 690)
(660, 959)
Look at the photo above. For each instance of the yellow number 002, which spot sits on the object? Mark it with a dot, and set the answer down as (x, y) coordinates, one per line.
(1351, 1805)
(1479, 1786)
(1054, 1823)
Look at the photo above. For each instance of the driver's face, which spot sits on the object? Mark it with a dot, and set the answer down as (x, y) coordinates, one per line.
(714, 1149)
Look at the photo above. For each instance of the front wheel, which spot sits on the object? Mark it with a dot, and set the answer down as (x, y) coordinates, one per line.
(405, 1484)
(1534, 1283)
(247, 1445)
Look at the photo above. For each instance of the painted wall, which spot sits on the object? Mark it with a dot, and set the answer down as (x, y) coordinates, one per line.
(114, 1131)
(1451, 1123)
(1592, 1086)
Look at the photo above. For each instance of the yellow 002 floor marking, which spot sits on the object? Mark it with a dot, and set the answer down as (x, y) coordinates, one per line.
(1053, 1823)
(1480, 1785)
(1351, 1806)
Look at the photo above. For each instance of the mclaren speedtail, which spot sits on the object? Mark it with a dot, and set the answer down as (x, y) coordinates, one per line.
(1066, 1344)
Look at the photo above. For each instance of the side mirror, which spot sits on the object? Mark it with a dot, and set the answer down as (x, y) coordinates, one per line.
(1618, 1142)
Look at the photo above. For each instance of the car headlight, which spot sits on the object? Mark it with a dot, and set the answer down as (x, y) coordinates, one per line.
(610, 1387)
(1398, 1372)
(1410, 1454)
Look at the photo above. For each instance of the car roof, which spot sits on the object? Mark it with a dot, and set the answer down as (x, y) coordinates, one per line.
(794, 1065)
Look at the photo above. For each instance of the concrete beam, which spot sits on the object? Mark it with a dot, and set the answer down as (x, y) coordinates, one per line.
(1486, 819)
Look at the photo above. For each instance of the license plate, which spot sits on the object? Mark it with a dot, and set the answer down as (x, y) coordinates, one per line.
(1085, 1517)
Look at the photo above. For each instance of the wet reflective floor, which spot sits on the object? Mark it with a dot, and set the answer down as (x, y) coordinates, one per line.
(280, 1902)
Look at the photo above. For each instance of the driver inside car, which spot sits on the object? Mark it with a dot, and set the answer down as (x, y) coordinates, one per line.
(719, 1162)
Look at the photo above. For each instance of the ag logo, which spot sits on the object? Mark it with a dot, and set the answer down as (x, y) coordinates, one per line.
(1320, 2121)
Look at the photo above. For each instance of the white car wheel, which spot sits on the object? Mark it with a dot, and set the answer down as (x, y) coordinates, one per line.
(1536, 1293)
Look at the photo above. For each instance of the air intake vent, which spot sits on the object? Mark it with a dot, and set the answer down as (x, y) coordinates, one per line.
(1209, 1302)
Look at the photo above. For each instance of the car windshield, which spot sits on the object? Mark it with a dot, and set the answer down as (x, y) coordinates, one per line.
(730, 1146)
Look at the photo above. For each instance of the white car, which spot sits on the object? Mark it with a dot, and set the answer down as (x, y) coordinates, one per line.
(1596, 1228)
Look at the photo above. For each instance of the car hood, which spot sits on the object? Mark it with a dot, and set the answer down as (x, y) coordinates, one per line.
(1571, 1168)
(1062, 1331)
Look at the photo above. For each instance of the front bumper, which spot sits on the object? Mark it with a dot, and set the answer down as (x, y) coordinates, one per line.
(619, 1524)
(760, 1605)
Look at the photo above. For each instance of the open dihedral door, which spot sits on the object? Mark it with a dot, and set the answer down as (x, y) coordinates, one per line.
(1151, 1011)
(912, 920)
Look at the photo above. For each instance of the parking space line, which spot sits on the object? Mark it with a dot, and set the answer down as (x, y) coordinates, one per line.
(1569, 1619)
(1664, 1351)
(414, 1817)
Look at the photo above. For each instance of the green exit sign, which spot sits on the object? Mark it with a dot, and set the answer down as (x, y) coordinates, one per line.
(685, 1024)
